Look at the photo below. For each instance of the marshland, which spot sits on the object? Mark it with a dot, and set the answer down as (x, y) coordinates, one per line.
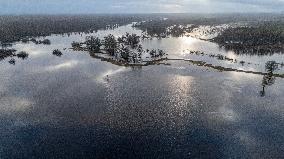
(142, 86)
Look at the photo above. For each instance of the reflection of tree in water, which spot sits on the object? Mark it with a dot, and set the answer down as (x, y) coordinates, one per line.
(268, 79)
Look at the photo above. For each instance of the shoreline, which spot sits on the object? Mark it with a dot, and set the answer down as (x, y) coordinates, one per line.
(194, 62)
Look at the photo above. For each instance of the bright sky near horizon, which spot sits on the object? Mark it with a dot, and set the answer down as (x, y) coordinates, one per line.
(138, 6)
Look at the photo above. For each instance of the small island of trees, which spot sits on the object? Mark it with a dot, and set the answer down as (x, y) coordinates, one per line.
(11, 53)
(125, 49)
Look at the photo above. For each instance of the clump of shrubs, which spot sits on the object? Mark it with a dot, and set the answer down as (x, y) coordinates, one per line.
(23, 55)
(57, 52)
(126, 48)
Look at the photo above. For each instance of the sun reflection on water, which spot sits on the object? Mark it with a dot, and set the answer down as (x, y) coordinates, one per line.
(181, 101)
(107, 74)
(67, 64)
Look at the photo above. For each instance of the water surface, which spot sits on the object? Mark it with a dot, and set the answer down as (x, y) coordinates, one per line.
(67, 107)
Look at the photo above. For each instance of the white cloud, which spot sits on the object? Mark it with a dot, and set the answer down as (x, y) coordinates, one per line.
(139, 6)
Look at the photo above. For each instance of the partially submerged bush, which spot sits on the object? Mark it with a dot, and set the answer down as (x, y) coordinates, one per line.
(23, 55)
(57, 52)
(12, 61)
(110, 44)
(271, 66)
(132, 39)
(34, 40)
(25, 40)
(45, 42)
(76, 44)
(93, 43)
(4, 53)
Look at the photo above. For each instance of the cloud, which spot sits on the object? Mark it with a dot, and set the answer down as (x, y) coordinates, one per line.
(138, 6)
(268, 4)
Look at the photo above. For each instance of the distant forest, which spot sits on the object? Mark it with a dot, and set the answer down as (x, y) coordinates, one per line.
(15, 28)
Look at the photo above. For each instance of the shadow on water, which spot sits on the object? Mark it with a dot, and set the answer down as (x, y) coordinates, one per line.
(269, 79)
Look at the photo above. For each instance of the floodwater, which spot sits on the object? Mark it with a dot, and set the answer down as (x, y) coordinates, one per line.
(76, 106)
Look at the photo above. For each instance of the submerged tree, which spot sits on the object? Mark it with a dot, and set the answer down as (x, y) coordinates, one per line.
(132, 40)
(45, 42)
(4, 53)
(93, 43)
(153, 53)
(125, 52)
(75, 44)
(57, 52)
(268, 79)
(5, 45)
(34, 40)
(110, 44)
(271, 66)
(161, 53)
(23, 55)
(12, 61)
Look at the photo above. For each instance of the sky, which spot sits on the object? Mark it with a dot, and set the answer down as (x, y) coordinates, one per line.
(138, 6)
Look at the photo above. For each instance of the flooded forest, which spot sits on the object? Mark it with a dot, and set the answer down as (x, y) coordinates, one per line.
(142, 86)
